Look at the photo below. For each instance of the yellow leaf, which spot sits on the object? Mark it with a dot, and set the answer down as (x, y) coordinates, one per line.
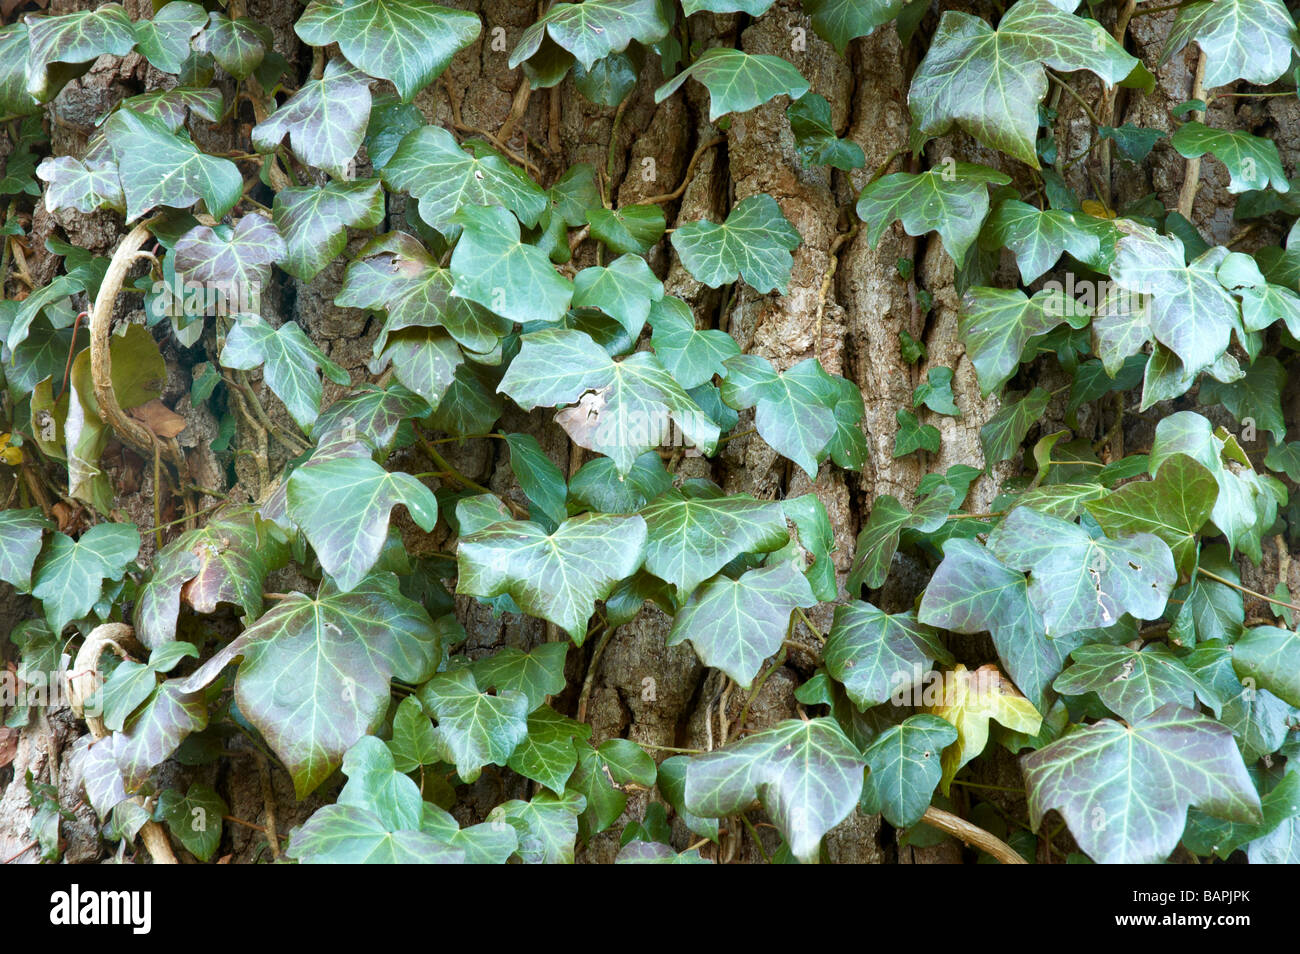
(1097, 209)
(13, 456)
(968, 701)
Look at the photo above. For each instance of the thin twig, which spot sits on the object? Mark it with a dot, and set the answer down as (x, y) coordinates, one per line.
(690, 172)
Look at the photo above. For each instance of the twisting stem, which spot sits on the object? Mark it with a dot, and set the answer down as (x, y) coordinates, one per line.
(972, 835)
(690, 172)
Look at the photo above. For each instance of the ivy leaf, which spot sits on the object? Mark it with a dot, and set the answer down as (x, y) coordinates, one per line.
(951, 200)
(557, 576)
(970, 700)
(84, 186)
(374, 784)
(625, 406)
(794, 410)
(1252, 161)
(371, 416)
(69, 574)
(14, 45)
(631, 229)
(815, 138)
(657, 853)
(396, 274)
(476, 728)
(696, 530)
(493, 267)
(20, 543)
(290, 363)
(407, 41)
(159, 167)
(148, 739)
(841, 21)
(1040, 237)
(878, 541)
(548, 754)
(131, 683)
(599, 486)
(541, 480)
(755, 8)
(433, 168)
(235, 263)
(913, 436)
(625, 290)
(1241, 39)
(484, 844)
(1080, 582)
(164, 40)
(1256, 396)
(1005, 431)
(414, 742)
(547, 826)
(601, 774)
(737, 81)
(848, 445)
(594, 29)
(996, 324)
(225, 561)
(1246, 506)
(195, 817)
(536, 674)
(1258, 719)
(1188, 309)
(315, 221)
(346, 834)
(691, 355)
(808, 776)
(343, 507)
(424, 360)
(905, 769)
(315, 672)
(989, 82)
(754, 243)
(1269, 657)
(325, 120)
(974, 592)
(935, 392)
(73, 38)
(1125, 790)
(1133, 683)
(873, 654)
(1173, 506)
(238, 45)
(734, 625)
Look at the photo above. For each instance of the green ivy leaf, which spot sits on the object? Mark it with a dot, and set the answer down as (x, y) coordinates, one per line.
(1040, 237)
(989, 82)
(997, 324)
(557, 576)
(1256, 396)
(878, 541)
(537, 674)
(594, 29)
(754, 243)
(539, 477)
(905, 768)
(290, 362)
(414, 743)
(1241, 39)
(625, 290)
(873, 654)
(734, 625)
(407, 41)
(73, 38)
(21, 532)
(935, 392)
(624, 406)
(1252, 161)
(165, 39)
(493, 267)
(396, 274)
(696, 530)
(238, 45)
(343, 506)
(315, 672)
(631, 229)
(14, 45)
(794, 410)
(1173, 506)
(1081, 582)
(195, 817)
(1125, 790)
(737, 81)
(445, 178)
(131, 683)
(1005, 431)
(601, 774)
(475, 728)
(232, 263)
(1134, 683)
(84, 186)
(159, 167)
(815, 138)
(69, 574)
(345, 834)
(1259, 720)
(548, 754)
(371, 416)
(325, 120)
(547, 826)
(808, 776)
(691, 355)
(841, 21)
(913, 436)
(315, 220)
(599, 486)
(1269, 657)
(424, 360)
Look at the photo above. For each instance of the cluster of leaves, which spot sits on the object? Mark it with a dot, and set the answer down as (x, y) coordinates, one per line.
(1125, 668)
